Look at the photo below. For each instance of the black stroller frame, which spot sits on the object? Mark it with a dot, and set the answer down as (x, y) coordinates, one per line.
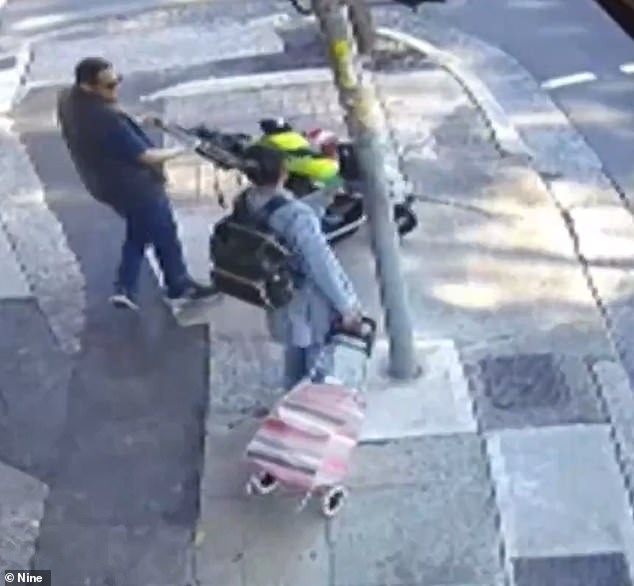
(344, 214)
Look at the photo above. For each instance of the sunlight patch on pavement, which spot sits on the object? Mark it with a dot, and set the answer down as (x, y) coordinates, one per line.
(472, 295)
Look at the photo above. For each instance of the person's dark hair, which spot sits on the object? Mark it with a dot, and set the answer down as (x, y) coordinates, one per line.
(264, 165)
(274, 125)
(88, 69)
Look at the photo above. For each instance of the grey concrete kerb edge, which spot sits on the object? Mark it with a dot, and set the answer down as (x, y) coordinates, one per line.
(504, 133)
(12, 80)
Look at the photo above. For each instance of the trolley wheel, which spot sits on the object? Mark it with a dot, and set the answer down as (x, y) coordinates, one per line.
(333, 500)
(262, 483)
(405, 219)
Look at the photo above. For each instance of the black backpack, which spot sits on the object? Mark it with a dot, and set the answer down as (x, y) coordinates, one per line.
(249, 261)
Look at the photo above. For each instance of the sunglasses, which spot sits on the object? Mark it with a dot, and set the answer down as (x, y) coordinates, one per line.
(110, 85)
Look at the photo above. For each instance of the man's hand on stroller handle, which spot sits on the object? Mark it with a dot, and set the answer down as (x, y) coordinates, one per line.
(151, 120)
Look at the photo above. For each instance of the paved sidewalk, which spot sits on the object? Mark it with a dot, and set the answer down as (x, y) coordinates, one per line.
(499, 460)
(507, 408)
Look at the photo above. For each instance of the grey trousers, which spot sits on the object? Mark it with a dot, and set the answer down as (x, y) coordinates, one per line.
(299, 363)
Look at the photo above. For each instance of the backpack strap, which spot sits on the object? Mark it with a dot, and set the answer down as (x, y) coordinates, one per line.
(240, 210)
(270, 207)
(274, 204)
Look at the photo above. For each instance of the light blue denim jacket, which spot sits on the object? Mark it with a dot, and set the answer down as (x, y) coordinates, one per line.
(326, 291)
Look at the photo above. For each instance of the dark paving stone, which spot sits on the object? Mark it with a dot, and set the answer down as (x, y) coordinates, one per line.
(524, 381)
(34, 376)
(124, 500)
(595, 570)
(150, 554)
(533, 390)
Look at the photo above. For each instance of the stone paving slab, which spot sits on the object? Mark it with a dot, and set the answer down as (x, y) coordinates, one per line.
(594, 570)
(521, 390)
(560, 492)
(21, 509)
(440, 528)
(437, 402)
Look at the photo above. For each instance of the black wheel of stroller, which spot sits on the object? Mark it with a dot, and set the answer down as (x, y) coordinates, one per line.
(262, 483)
(332, 500)
(405, 219)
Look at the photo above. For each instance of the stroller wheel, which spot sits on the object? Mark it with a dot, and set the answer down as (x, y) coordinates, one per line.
(262, 483)
(332, 501)
(405, 219)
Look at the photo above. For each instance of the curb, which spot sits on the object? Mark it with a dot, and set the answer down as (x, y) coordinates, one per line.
(13, 79)
(503, 132)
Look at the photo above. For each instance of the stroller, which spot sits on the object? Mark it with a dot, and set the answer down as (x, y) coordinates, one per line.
(343, 216)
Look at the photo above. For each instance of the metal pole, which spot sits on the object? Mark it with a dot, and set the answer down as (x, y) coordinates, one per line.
(362, 26)
(368, 130)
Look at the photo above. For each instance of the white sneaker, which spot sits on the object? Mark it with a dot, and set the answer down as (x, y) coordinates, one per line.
(123, 301)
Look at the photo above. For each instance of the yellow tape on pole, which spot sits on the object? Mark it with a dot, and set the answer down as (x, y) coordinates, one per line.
(342, 56)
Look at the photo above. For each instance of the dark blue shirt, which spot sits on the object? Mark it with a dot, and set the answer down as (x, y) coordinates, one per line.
(105, 145)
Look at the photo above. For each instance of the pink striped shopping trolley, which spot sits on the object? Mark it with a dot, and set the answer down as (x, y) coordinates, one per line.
(306, 442)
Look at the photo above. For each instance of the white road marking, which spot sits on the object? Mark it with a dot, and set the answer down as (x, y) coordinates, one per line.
(575, 78)
(627, 68)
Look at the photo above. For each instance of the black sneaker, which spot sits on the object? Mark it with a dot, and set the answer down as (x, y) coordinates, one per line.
(123, 300)
(193, 291)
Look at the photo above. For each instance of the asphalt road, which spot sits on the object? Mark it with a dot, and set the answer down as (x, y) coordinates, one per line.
(555, 39)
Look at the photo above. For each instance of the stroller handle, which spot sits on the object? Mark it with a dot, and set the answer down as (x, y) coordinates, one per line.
(366, 333)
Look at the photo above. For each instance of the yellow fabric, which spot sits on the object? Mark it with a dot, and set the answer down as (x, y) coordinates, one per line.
(313, 166)
(286, 141)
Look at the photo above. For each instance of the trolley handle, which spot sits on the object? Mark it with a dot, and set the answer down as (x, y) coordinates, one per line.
(365, 332)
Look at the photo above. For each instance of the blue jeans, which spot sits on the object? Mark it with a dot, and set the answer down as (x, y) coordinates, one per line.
(152, 224)
(300, 362)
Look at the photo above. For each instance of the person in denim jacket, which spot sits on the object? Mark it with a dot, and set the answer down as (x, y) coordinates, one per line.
(325, 293)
